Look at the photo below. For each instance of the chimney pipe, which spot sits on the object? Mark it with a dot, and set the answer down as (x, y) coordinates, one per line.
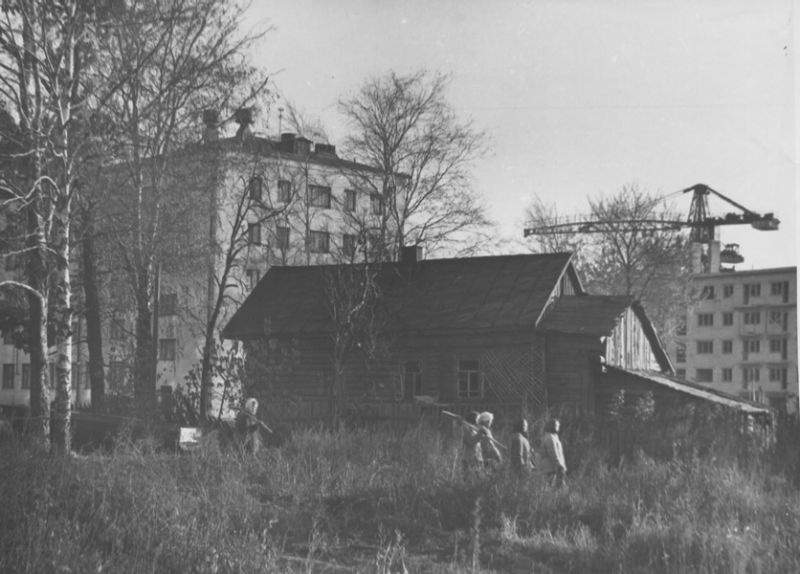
(244, 117)
(211, 122)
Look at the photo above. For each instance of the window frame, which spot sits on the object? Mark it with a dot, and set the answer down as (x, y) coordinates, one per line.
(705, 347)
(255, 188)
(319, 196)
(377, 204)
(284, 191)
(472, 377)
(319, 241)
(707, 375)
(253, 233)
(168, 305)
(705, 319)
(164, 350)
(350, 200)
(9, 376)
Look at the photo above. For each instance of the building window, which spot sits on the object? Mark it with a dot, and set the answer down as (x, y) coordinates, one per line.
(750, 346)
(319, 196)
(8, 337)
(708, 292)
(705, 347)
(470, 384)
(752, 317)
(705, 319)
(167, 349)
(319, 241)
(282, 237)
(727, 291)
(727, 375)
(681, 329)
(750, 375)
(680, 353)
(680, 373)
(168, 305)
(412, 379)
(780, 289)
(727, 347)
(727, 319)
(117, 375)
(117, 330)
(8, 376)
(751, 290)
(350, 199)
(376, 202)
(255, 188)
(253, 277)
(284, 191)
(26, 376)
(704, 375)
(776, 345)
(778, 375)
(254, 233)
(349, 244)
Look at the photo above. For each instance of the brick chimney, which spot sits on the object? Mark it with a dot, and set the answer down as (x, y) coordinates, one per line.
(244, 117)
(211, 122)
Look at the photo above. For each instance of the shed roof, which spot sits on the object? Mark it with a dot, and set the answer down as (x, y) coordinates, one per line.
(697, 390)
(497, 292)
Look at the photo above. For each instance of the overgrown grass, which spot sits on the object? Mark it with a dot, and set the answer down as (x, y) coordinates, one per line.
(370, 500)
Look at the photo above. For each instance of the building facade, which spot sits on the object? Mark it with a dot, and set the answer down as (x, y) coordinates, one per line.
(740, 335)
(237, 204)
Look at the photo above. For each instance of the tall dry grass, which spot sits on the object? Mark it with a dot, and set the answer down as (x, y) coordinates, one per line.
(378, 500)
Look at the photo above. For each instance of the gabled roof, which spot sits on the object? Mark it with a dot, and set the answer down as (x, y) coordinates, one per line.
(490, 293)
(597, 315)
(586, 314)
(697, 390)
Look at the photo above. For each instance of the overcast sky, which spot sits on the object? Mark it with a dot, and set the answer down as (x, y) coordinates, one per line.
(577, 97)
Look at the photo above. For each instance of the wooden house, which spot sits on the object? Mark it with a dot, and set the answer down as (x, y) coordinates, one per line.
(511, 334)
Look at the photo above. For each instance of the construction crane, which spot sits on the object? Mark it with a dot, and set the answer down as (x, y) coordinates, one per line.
(703, 226)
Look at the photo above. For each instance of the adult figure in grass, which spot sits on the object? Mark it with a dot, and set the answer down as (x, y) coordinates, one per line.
(520, 454)
(473, 457)
(491, 455)
(248, 427)
(554, 467)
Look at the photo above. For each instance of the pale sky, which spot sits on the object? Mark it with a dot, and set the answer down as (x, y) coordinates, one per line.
(577, 97)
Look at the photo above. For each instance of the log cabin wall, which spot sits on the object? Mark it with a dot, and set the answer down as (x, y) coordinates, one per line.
(571, 363)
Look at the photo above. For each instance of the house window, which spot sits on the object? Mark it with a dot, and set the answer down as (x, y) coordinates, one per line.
(727, 319)
(708, 292)
(350, 199)
(680, 353)
(750, 375)
(412, 379)
(469, 380)
(254, 233)
(349, 244)
(376, 202)
(282, 237)
(727, 375)
(167, 349)
(26, 376)
(284, 191)
(8, 337)
(8, 376)
(752, 317)
(319, 241)
(705, 347)
(253, 277)
(681, 329)
(705, 319)
(168, 305)
(319, 196)
(704, 375)
(727, 291)
(680, 373)
(255, 188)
(727, 347)
(117, 375)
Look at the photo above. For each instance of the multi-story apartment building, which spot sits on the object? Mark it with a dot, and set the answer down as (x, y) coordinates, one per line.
(740, 335)
(278, 201)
